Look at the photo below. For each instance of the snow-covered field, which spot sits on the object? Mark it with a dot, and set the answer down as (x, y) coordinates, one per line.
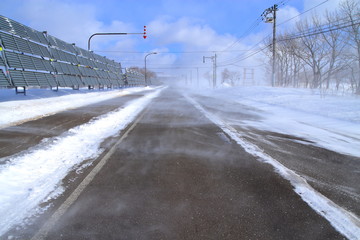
(330, 121)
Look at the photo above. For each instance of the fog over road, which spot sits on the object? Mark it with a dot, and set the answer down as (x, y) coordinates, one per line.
(177, 175)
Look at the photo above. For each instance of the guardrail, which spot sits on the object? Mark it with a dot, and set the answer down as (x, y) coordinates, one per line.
(32, 58)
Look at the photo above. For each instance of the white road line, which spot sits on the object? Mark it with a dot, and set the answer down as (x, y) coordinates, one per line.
(44, 230)
(342, 220)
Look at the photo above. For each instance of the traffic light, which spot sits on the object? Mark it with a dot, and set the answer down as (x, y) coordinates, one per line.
(144, 32)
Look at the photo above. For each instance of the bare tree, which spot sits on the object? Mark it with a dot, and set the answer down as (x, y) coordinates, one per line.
(320, 51)
(296, 64)
(208, 76)
(230, 77)
(286, 67)
(313, 52)
(335, 45)
(225, 75)
(351, 10)
(149, 74)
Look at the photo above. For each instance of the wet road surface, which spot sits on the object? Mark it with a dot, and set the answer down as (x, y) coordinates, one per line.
(178, 176)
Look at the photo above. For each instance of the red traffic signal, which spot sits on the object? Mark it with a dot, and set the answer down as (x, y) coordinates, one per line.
(144, 32)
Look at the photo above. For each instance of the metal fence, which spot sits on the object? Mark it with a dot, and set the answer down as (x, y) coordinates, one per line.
(32, 58)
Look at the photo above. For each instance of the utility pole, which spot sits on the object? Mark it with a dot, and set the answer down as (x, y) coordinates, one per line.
(249, 75)
(197, 74)
(190, 77)
(215, 71)
(213, 58)
(272, 19)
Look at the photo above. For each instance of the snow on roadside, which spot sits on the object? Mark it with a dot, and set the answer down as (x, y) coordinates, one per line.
(42, 102)
(329, 121)
(345, 222)
(310, 101)
(28, 180)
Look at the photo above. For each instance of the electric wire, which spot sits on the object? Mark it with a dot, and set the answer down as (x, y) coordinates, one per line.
(320, 30)
(310, 32)
(282, 3)
(190, 52)
(253, 26)
(250, 29)
(316, 32)
(302, 13)
(256, 49)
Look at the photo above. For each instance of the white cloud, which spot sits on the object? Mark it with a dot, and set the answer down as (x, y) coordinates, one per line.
(188, 32)
(287, 18)
(162, 57)
(192, 35)
(73, 22)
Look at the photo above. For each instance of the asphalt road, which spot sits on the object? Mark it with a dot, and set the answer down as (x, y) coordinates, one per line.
(176, 175)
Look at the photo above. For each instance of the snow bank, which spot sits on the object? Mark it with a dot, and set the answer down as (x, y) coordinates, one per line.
(30, 179)
(329, 121)
(38, 103)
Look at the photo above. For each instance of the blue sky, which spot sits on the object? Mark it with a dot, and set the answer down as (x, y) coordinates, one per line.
(182, 31)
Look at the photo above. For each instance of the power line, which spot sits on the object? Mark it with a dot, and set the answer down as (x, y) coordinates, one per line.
(303, 12)
(325, 27)
(321, 30)
(283, 3)
(304, 34)
(244, 56)
(192, 67)
(253, 26)
(310, 32)
(296, 36)
(235, 59)
(250, 29)
(190, 52)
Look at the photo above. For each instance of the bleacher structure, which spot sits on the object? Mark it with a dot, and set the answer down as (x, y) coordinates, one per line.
(29, 58)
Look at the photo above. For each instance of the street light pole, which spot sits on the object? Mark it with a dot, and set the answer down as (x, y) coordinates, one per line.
(145, 65)
(213, 58)
(112, 33)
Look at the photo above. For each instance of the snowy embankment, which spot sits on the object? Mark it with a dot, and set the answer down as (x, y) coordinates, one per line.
(35, 177)
(329, 121)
